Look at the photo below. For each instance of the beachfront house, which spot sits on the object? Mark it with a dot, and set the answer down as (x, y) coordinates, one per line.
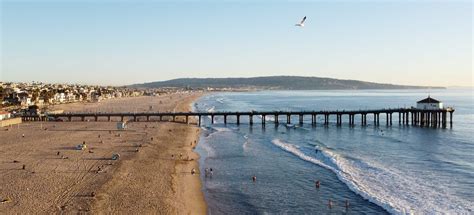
(70, 97)
(24, 98)
(118, 94)
(96, 97)
(429, 104)
(4, 115)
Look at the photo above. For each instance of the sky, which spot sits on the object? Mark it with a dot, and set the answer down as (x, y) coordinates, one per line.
(122, 42)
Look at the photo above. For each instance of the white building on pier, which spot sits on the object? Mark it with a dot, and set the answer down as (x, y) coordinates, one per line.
(429, 104)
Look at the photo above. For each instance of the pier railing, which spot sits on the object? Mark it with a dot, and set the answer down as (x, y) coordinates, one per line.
(406, 116)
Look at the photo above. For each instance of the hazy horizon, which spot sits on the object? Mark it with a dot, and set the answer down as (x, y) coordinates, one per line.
(122, 85)
(424, 43)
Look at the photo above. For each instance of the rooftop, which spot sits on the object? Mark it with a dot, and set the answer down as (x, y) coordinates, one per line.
(428, 100)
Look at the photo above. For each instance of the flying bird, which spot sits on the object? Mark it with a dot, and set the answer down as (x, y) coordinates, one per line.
(301, 24)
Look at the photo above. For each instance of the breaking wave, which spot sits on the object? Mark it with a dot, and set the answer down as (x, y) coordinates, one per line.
(396, 192)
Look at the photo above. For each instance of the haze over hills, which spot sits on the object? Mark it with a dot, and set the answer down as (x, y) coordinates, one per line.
(277, 83)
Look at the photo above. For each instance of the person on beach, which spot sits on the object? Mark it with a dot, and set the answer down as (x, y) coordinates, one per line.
(206, 172)
(193, 171)
(317, 184)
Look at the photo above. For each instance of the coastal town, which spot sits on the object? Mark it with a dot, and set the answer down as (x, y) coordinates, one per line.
(36, 98)
(25, 99)
(15, 95)
(39, 99)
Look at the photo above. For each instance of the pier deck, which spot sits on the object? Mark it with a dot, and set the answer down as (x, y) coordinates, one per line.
(406, 116)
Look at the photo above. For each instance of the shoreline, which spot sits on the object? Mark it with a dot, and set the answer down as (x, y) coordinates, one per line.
(152, 175)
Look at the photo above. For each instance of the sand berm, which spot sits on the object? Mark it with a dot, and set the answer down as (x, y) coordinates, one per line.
(43, 172)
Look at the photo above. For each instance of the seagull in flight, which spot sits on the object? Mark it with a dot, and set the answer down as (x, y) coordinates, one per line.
(301, 24)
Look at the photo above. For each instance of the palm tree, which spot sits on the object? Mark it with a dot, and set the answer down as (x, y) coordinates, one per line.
(35, 94)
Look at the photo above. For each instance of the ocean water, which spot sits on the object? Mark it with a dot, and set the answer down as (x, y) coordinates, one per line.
(377, 169)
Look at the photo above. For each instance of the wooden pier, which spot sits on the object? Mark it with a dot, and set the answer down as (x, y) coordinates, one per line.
(406, 116)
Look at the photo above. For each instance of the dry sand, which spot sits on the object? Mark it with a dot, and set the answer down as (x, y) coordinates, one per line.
(153, 174)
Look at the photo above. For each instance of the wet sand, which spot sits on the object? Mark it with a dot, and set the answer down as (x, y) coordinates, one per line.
(152, 175)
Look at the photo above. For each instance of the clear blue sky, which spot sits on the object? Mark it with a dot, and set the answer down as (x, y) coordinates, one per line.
(125, 42)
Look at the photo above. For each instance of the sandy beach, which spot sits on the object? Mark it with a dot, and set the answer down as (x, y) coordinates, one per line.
(43, 172)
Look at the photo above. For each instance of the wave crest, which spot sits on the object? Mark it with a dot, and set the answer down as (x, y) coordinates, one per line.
(394, 191)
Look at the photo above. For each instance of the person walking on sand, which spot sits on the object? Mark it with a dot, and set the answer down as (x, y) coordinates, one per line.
(193, 171)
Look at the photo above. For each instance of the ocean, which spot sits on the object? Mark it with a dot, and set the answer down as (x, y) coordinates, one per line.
(377, 169)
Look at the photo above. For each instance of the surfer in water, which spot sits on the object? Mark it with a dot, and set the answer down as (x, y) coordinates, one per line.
(317, 184)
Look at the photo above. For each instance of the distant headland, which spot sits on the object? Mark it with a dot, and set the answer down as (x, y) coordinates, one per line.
(276, 83)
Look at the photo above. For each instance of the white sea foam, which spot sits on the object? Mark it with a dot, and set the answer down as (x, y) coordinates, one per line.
(267, 118)
(211, 110)
(216, 130)
(211, 152)
(219, 129)
(398, 193)
(294, 149)
(245, 146)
